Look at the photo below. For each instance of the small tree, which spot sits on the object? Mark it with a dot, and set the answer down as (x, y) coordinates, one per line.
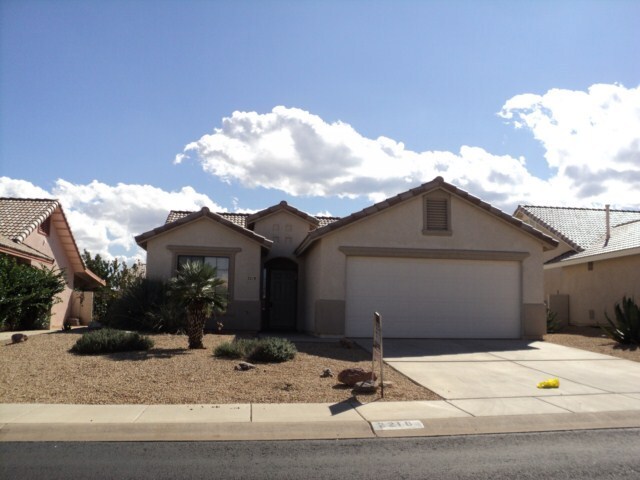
(27, 294)
(197, 289)
(117, 276)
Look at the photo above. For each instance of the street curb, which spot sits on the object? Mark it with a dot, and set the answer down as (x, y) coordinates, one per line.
(129, 432)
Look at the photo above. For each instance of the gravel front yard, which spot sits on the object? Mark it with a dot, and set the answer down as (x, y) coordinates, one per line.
(594, 340)
(42, 370)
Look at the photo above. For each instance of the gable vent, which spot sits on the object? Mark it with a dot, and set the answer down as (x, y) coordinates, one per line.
(437, 214)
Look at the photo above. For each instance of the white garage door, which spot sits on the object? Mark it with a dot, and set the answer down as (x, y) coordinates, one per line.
(428, 298)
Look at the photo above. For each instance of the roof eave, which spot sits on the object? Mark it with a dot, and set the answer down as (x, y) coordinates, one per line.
(143, 238)
(596, 257)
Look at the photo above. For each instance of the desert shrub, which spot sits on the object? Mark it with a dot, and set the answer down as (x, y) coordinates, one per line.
(257, 350)
(145, 305)
(27, 294)
(273, 350)
(553, 325)
(240, 348)
(626, 328)
(108, 340)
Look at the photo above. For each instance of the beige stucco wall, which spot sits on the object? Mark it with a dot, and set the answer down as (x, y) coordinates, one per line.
(244, 309)
(52, 247)
(401, 226)
(595, 290)
(286, 230)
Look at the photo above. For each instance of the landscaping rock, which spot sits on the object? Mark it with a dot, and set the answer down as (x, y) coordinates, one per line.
(368, 386)
(244, 366)
(19, 337)
(326, 373)
(351, 376)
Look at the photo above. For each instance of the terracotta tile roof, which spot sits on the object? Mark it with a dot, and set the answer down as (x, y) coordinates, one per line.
(21, 216)
(239, 219)
(436, 183)
(242, 219)
(253, 218)
(579, 227)
(181, 218)
(324, 221)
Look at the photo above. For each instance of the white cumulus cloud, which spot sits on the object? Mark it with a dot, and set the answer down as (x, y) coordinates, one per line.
(591, 138)
(105, 218)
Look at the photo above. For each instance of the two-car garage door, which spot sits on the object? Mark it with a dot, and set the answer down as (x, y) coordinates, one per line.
(433, 298)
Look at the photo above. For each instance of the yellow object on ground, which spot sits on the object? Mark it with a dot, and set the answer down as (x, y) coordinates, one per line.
(551, 383)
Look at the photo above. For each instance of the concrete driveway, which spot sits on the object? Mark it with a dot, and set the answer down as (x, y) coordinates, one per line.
(499, 377)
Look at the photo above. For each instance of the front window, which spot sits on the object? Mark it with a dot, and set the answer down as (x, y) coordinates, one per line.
(221, 264)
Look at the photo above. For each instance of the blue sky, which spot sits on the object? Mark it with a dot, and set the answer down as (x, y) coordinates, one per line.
(371, 98)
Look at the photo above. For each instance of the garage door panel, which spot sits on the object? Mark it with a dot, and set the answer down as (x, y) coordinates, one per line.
(433, 298)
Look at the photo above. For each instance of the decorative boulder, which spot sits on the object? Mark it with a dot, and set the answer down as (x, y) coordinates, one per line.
(19, 337)
(368, 386)
(244, 366)
(351, 376)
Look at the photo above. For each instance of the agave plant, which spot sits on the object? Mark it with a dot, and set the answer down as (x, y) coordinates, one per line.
(626, 329)
(197, 288)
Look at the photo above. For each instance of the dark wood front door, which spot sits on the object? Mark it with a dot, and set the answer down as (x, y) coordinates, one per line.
(282, 293)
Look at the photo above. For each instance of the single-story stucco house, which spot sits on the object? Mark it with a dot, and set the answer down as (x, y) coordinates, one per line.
(435, 261)
(36, 232)
(597, 261)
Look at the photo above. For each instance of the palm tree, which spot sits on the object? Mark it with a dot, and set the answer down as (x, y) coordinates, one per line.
(197, 288)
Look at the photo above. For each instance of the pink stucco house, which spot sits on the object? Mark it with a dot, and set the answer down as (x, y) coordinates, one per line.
(36, 232)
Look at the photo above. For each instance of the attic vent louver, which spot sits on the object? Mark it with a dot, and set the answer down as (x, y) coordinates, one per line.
(437, 214)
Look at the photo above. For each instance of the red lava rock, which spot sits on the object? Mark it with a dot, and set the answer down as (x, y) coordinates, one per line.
(351, 376)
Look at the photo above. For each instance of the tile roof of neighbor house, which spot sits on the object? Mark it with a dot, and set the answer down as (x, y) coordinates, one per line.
(584, 229)
(622, 237)
(19, 217)
(579, 227)
(436, 183)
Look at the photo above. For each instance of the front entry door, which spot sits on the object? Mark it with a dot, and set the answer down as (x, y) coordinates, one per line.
(282, 293)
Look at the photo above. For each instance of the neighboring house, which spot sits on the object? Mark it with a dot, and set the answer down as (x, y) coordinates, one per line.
(434, 261)
(597, 261)
(36, 232)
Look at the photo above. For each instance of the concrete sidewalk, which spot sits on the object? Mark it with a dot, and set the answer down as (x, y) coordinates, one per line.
(37, 422)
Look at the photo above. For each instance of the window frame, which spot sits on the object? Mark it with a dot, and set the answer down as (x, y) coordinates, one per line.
(229, 253)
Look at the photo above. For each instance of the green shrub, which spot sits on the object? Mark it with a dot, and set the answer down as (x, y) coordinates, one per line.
(108, 340)
(257, 350)
(553, 325)
(27, 294)
(273, 350)
(240, 348)
(626, 329)
(144, 305)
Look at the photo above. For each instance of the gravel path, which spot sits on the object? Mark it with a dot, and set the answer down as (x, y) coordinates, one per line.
(42, 370)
